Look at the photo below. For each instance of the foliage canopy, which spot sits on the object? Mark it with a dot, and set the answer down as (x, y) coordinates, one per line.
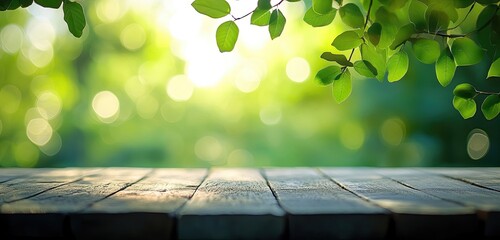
(379, 29)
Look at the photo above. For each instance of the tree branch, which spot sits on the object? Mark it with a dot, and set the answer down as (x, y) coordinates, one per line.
(248, 14)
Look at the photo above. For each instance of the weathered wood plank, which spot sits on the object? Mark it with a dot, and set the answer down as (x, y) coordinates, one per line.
(7, 174)
(141, 211)
(485, 201)
(416, 214)
(485, 177)
(44, 215)
(232, 204)
(39, 181)
(320, 209)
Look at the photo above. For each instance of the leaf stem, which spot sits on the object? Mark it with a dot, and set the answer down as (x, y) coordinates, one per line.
(486, 93)
(367, 15)
(248, 14)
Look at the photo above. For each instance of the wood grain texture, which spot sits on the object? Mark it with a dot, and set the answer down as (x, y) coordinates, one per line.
(141, 211)
(44, 215)
(232, 204)
(13, 173)
(486, 202)
(320, 209)
(484, 177)
(416, 214)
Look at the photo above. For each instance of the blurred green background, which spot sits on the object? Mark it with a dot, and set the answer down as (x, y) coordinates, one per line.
(146, 86)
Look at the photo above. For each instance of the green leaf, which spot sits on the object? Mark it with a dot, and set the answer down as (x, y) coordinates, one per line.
(397, 66)
(260, 17)
(390, 26)
(226, 36)
(26, 3)
(339, 58)
(466, 107)
(351, 15)
(347, 40)
(276, 23)
(417, 14)
(394, 4)
(318, 20)
(342, 87)
(445, 67)
(377, 59)
(491, 106)
(437, 21)
(74, 18)
(466, 52)
(49, 3)
(264, 4)
(403, 35)
(365, 68)
(9, 5)
(322, 6)
(426, 50)
(464, 90)
(212, 8)
(494, 69)
(462, 3)
(328, 74)
(485, 2)
(374, 32)
(485, 16)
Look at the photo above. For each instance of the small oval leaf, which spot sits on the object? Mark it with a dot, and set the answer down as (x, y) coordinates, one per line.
(49, 3)
(445, 67)
(494, 69)
(319, 20)
(260, 17)
(226, 36)
(322, 6)
(491, 106)
(328, 74)
(338, 58)
(464, 90)
(276, 23)
(212, 8)
(374, 32)
(426, 50)
(397, 66)
(347, 40)
(466, 52)
(365, 68)
(351, 15)
(73, 15)
(342, 87)
(466, 107)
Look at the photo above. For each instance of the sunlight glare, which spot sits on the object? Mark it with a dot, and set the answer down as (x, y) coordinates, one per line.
(478, 144)
(297, 69)
(106, 105)
(11, 38)
(49, 105)
(39, 131)
(179, 88)
(53, 146)
(133, 36)
(270, 115)
(208, 148)
(109, 10)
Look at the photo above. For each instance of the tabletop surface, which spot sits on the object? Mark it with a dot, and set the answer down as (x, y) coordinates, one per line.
(250, 203)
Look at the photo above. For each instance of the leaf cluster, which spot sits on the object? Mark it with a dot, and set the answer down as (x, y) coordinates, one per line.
(380, 30)
(73, 11)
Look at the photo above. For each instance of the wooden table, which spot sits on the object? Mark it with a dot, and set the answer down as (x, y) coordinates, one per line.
(274, 203)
